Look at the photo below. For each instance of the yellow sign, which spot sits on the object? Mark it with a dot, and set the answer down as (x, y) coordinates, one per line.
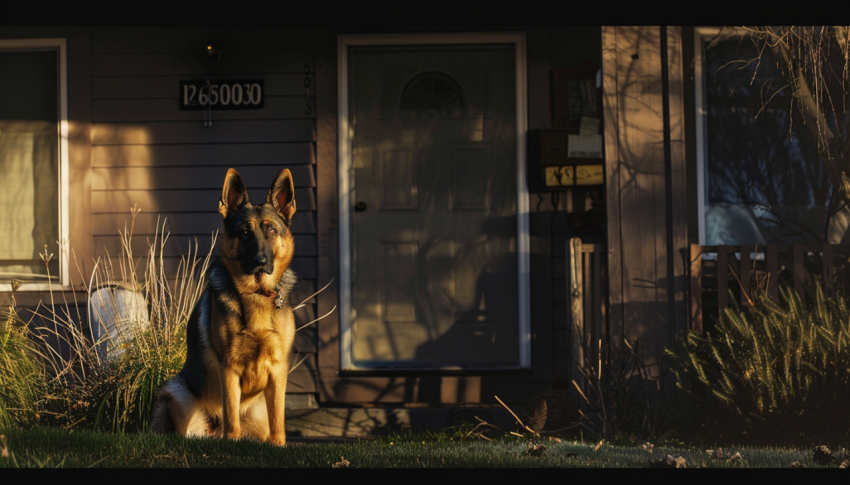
(558, 176)
(589, 175)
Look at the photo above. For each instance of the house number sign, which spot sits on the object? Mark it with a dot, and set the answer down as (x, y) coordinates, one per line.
(235, 94)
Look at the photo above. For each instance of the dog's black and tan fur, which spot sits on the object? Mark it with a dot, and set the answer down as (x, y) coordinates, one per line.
(240, 333)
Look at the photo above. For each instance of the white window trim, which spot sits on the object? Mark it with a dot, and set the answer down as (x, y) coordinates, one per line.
(58, 45)
(344, 136)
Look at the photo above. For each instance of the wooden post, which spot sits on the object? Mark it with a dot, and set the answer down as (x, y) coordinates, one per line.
(598, 305)
(696, 288)
(745, 274)
(575, 287)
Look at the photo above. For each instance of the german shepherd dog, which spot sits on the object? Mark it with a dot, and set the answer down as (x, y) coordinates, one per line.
(240, 332)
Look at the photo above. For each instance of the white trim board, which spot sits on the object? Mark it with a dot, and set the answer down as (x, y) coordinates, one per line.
(344, 146)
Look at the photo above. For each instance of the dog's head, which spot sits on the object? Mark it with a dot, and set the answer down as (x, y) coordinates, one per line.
(257, 242)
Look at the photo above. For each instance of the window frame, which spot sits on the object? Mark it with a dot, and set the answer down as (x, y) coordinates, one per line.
(58, 45)
(344, 140)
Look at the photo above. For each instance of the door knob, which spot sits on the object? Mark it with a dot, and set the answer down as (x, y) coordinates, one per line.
(360, 206)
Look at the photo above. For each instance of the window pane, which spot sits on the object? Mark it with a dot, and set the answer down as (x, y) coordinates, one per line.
(765, 183)
(29, 163)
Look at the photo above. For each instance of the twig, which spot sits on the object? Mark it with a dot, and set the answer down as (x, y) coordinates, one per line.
(516, 417)
(579, 391)
(749, 300)
(299, 363)
(479, 434)
(576, 425)
(311, 296)
(316, 320)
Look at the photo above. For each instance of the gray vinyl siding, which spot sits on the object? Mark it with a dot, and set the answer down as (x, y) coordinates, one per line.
(146, 151)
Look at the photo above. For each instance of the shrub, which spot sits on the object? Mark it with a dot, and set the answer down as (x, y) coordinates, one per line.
(152, 351)
(55, 367)
(627, 397)
(22, 388)
(115, 390)
(779, 371)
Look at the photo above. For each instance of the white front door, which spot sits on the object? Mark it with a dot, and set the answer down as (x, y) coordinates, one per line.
(430, 189)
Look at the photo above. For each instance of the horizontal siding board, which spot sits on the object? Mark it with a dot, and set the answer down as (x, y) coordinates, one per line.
(223, 131)
(305, 341)
(257, 61)
(304, 267)
(152, 178)
(303, 378)
(181, 223)
(169, 39)
(305, 244)
(143, 87)
(155, 201)
(134, 110)
(279, 154)
(168, 87)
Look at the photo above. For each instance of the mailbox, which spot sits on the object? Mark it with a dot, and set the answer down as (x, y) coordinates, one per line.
(553, 165)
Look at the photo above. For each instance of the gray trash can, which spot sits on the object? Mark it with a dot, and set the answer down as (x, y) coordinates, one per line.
(117, 313)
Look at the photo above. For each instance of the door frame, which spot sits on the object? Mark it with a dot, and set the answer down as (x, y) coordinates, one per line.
(517, 39)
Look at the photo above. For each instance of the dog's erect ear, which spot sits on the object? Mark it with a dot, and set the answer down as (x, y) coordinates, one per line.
(233, 195)
(282, 195)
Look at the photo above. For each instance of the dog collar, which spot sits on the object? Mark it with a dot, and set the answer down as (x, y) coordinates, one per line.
(275, 295)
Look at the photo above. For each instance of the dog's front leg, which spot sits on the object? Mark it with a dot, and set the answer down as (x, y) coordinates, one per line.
(231, 397)
(275, 394)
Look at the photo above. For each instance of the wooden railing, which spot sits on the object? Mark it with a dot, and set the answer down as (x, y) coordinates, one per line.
(587, 289)
(748, 271)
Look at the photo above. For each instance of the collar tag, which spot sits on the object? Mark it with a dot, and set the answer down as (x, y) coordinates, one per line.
(278, 302)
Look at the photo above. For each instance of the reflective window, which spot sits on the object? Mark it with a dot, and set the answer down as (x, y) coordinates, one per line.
(29, 163)
(761, 179)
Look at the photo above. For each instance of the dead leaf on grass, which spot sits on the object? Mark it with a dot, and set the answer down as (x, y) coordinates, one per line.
(797, 464)
(598, 445)
(647, 446)
(845, 464)
(343, 463)
(535, 450)
(719, 454)
(737, 456)
(4, 452)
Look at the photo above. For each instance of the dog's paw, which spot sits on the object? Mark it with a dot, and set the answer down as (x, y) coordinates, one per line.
(279, 440)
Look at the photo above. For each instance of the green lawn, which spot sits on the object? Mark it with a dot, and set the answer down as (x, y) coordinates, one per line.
(54, 447)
